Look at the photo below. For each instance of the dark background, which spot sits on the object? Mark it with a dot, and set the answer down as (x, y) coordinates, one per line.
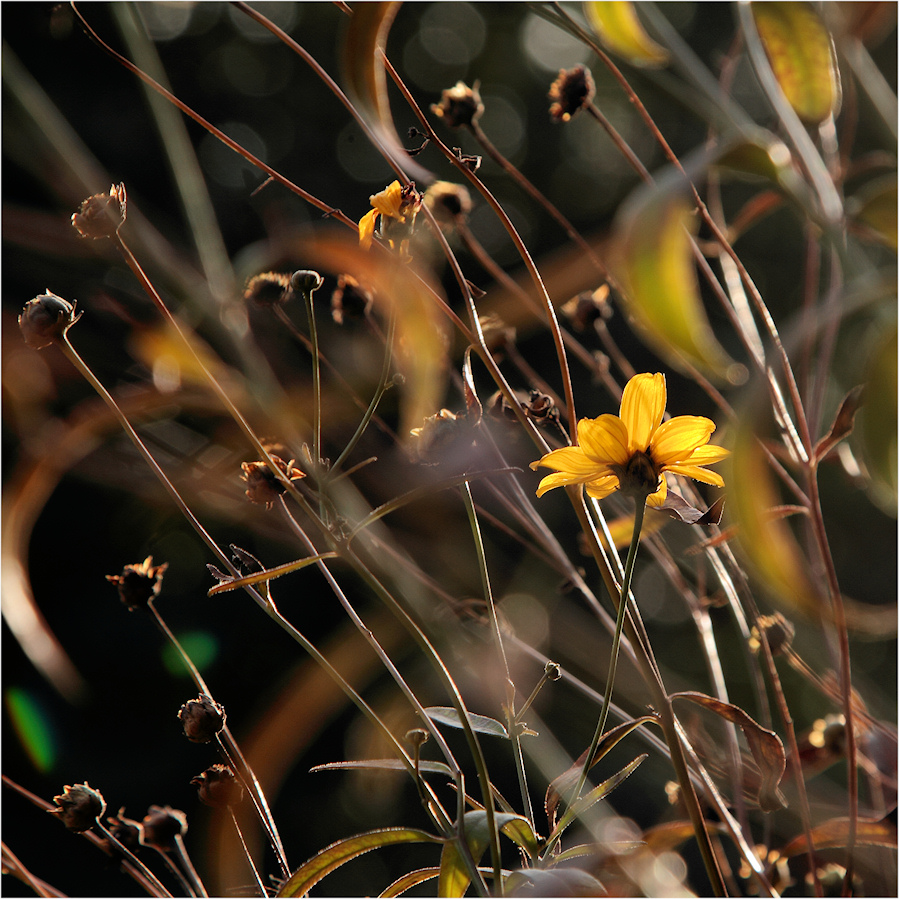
(122, 735)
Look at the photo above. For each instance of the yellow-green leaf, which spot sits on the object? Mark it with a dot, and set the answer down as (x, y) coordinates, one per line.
(874, 208)
(656, 275)
(835, 833)
(802, 57)
(333, 856)
(765, 538)
(617, 26)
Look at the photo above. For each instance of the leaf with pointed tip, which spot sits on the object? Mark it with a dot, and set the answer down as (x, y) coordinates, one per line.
(835, 834)
(337, 854)
(843, 423)
(766, 747)
(653, 259)
(802, 57)
(454, 877)
(407, 881)
(383, 764)
(268, 574)
(480, 723)
(616, 24)
(565, 882)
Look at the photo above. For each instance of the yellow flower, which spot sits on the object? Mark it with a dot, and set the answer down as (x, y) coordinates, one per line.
(632, 452)
(401, 204)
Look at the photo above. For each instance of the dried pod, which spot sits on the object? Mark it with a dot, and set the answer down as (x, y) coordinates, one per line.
(571, 91)
(268, 289)
(587, 307)
(162, 826)
(79, 807)
(417, 736)
(350, 299)
(306, 281)
(102, 214)
(263, 487)
(442, 436)
(202, 718)
(459, 106)
(218, 787)
(127, 831)
(448, 203)
(139, 584)
(46, 318)
(778, 630)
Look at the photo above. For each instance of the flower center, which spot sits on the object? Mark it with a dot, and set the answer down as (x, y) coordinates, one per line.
(639, 476)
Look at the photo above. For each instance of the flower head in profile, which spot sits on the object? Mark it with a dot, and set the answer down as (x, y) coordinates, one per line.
(632, 451)
(397, 206)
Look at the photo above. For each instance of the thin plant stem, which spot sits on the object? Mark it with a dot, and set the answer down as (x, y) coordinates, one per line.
(316, 383)
(132, 858)
(509, 704)
(188, 866)
(246, 850)
(616, 640)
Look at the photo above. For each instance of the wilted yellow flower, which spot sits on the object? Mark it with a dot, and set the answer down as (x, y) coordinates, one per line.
(632, 451)
(397, 207)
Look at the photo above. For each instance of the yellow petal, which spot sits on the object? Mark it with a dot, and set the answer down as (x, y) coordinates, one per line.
(367, 228)
(387, 202)
(656, 499)
(697, 473)
(706, 455)
(560, 479)
(571, 459)
(603, 439)
(678, 437)
(602, 487)
(642, 408)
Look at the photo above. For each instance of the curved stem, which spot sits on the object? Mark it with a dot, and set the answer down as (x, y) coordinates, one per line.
(616, 640)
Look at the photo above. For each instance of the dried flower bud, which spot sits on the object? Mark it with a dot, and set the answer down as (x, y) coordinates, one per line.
(541, 409)
(102, 214)
(587, 307)
(46, 318)
(139, 584)
(218, 787)
(305, 281)
(262, 485)
(500, 409)
(268, 289)
(79, 807)
(572, 90)
(127, 831)
(459, 106)
(350, 299)
(442, 435)
(162, 826)
(778, 630)
(448, 203)
(553, 670)
(202, 718)
(418, 736)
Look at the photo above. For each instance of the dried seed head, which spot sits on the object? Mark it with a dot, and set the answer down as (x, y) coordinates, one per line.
(553, 670)
(441, 436)
(418, 736)
(127, 831)
(46, 318)
(587, 307)
(79, 807)
(778, 630)
(139, 584)
(218, 787)
(459, 106)
(268, 289)
(162, 825)
(448, 203)
(573, 89)
(102, 214)
(350, 299)
(262, 485)
(306, 281)
(202, 718)
(541, 409)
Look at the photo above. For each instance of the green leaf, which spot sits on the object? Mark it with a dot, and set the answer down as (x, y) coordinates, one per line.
(407, 881)
(564, 882)
(454, 877)
(802, 57)
(596, 794)
(383, 764)
(333, 856)
(655, 270)
(617, 26)
(480, 723)
(873, 208)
